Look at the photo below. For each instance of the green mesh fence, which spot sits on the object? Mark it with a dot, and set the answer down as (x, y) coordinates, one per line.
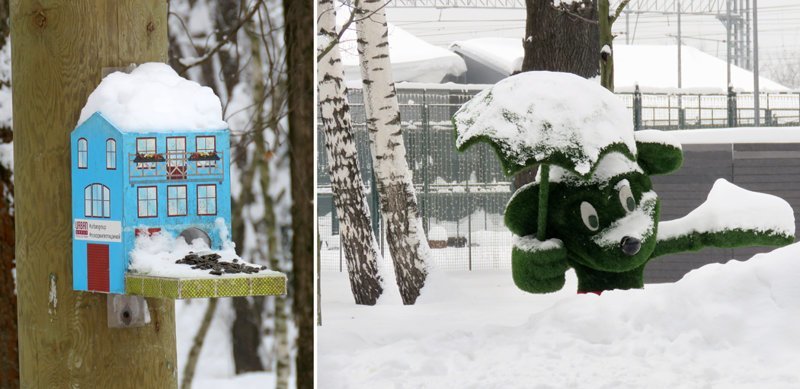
(462, 195)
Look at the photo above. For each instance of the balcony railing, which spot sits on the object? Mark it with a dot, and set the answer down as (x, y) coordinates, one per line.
(175, 166)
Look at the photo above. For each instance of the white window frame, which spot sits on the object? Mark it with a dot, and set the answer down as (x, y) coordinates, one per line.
(97, 201)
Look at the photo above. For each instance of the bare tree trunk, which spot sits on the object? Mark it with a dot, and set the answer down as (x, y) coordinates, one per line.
(563, 38)
(9, 357)
(606, 46)
(299, 36)
(407, 243)
(197, 345)
(357, 237)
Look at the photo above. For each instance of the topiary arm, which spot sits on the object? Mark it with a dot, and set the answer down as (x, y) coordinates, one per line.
(730, 217)
(538, 267)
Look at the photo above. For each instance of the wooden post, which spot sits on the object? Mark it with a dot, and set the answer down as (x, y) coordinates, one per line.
(299, 38)
(58, 53)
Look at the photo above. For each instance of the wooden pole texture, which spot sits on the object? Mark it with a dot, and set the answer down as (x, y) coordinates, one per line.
(299, 38)
(59, 51)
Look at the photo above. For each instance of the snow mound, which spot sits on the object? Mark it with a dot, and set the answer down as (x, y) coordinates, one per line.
(156, 255)
(437, 233)
(541, 114)
(153, 97)
(729, 207)
(730, 325)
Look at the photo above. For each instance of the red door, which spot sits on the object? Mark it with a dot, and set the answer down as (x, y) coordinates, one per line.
(97, 266)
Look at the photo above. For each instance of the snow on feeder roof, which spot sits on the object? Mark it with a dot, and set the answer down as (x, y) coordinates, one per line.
(152, 98)
(547, 117)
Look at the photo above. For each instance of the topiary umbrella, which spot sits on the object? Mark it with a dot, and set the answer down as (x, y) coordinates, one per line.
(543, 118)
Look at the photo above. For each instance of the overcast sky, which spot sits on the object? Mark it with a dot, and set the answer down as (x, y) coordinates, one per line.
(779, 28)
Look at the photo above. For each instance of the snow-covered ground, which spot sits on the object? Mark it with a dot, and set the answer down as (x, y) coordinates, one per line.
(215, 368)
(721, 326)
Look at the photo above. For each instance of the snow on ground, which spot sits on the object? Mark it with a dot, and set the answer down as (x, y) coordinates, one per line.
(153, 97)
(721, 326)
(215, 367)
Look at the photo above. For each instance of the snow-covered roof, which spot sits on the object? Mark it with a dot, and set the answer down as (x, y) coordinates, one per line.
(652, 67)
(412, 58)
(153, 97)
(501, 54)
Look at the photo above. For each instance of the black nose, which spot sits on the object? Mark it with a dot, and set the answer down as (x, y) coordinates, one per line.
(630, 245)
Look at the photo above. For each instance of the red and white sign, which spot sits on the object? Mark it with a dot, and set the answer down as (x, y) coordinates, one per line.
(98, 230)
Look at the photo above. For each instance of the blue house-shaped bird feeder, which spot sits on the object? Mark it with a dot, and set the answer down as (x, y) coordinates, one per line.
(130, 182)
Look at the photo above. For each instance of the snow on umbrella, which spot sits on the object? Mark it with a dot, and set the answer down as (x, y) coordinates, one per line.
(543, 118)
(547, 117)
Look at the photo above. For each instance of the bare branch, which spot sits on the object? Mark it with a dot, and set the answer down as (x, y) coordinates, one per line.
(226, 39)
(618, 12)
(338, 36)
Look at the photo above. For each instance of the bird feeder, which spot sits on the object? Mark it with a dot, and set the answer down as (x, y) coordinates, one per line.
(151, 193)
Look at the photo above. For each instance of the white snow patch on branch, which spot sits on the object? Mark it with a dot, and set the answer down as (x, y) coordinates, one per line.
(730, 207)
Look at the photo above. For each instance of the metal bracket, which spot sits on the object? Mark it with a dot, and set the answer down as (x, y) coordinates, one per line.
(126, 311)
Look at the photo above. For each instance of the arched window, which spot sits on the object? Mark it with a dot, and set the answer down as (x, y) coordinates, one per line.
(96, 201)
(83, 153)
(111, 154)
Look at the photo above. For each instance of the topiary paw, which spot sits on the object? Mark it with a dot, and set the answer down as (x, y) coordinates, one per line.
(538, 267)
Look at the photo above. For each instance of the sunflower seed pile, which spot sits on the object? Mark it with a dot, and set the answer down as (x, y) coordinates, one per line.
(212, 262)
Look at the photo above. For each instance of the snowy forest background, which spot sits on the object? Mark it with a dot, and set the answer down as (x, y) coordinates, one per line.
(236, 47)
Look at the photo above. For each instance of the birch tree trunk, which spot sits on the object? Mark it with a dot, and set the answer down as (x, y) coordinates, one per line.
(358, 240)
(407, 243)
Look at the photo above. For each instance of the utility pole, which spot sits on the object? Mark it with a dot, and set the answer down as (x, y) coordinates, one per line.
(756, 92)
(748, 46)
(728, 39)
(58, 54)
(680, 62)
(627, 27)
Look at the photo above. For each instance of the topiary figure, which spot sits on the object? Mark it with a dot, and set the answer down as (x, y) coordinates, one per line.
(594, 210)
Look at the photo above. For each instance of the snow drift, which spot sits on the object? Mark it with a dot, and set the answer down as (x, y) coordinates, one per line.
(730, 325)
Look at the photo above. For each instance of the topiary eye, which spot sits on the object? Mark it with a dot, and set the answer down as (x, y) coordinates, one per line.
(626, 198)
(589, 216)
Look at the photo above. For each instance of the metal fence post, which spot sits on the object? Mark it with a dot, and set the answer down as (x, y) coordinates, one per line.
(425, 180)
(469, 226)
(731, 107)
(637, 109)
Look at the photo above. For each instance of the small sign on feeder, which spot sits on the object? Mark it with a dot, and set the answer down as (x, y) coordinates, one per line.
(151, 196)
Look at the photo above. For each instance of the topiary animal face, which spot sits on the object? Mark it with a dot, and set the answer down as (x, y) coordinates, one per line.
(608, 226)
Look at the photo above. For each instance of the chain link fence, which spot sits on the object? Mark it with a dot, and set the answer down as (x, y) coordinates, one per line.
(462, 195)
